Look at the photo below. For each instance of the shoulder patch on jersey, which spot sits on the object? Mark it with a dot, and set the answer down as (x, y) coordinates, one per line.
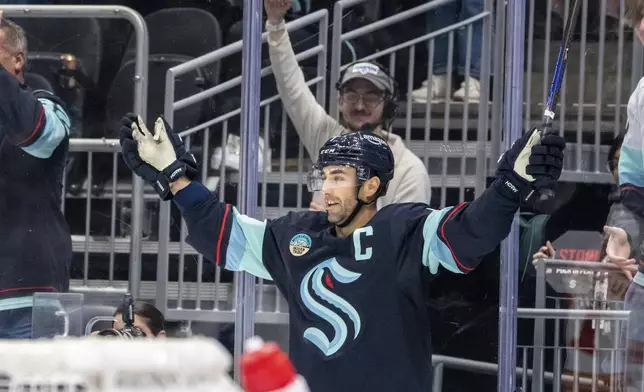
(300, 244)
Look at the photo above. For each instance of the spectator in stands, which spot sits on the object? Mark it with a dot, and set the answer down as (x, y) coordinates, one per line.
(35, 241)
(367, 96)
(147, 318)
(443, 17)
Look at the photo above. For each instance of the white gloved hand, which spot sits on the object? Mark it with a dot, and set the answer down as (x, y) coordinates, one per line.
(156, 150)
(523, 159)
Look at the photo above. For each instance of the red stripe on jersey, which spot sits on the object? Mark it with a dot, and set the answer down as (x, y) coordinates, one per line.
(221, 234)
(454, 211)
(28, 140)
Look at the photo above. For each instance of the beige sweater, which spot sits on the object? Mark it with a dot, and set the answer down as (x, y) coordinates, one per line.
(315, 126)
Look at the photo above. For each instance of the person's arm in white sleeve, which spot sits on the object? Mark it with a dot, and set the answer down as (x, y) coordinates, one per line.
(310, 119)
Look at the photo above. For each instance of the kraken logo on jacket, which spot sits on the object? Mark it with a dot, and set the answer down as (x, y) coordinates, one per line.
(315, 279)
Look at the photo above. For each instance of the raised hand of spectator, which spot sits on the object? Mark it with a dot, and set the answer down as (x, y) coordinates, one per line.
(276, 9)
(618, 250)
(545, 252)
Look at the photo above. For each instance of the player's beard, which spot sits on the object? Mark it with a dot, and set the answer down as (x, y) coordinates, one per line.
(346, 209)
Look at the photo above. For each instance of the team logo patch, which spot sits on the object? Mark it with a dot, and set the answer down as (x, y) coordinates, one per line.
(300, 244)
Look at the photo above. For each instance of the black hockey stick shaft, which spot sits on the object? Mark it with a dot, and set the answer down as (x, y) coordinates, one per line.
(557, 81)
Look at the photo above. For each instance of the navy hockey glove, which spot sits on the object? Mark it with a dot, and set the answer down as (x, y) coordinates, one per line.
(531, 165)
(154, 158)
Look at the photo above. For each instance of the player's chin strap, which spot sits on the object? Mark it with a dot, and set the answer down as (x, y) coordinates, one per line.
(358, 206)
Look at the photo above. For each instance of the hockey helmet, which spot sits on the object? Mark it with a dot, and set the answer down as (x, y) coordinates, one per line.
(366, 152)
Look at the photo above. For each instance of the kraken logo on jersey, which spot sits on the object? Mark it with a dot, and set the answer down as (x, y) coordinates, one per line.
(315, 279)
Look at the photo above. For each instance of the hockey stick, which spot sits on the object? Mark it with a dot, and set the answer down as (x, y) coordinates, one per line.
(557, 81)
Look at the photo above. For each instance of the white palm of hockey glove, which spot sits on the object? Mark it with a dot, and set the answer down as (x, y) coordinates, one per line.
(533, 164)
(523, 159)
(156, 150)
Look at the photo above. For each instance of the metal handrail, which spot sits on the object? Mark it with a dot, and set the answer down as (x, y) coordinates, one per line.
(441, 361)
(418, 40)
(607, 267)
(140, 99)
(320, 16)
(540, 299)
(479, 367)
(94, 145)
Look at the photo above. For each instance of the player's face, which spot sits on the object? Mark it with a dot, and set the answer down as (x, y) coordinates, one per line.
(361, 103)
(139, 322)
(339, 191)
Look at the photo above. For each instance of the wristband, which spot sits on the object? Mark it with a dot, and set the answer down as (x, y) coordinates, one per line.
(167, 176)
(176, 170)
(278, 27)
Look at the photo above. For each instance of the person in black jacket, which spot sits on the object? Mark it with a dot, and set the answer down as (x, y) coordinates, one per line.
(35, 241)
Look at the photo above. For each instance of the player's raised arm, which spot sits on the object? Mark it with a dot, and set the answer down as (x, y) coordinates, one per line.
(34, 121)
(216, 230)
(458, 237)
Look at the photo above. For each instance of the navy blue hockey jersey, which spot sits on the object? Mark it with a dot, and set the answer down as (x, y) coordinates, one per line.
(35, 242)
(358, 318)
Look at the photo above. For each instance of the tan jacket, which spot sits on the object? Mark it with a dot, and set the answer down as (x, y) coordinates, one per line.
(315, 127)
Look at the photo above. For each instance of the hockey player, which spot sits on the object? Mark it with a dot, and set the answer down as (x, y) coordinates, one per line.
(35, 242)
(355, 278)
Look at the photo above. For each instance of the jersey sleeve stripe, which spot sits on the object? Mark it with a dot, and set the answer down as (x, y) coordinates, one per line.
(631, 165)
(629, 187)
(53, 133)
(245, 245)
(446, 241)
(221, 234)
(35, 134)
(33, 288)
(435, 252)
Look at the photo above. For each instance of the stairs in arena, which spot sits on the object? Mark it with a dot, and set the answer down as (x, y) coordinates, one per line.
(614, 84)
(606, 79)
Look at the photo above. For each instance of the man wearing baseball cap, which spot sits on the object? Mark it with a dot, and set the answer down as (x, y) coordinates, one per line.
(367, 100)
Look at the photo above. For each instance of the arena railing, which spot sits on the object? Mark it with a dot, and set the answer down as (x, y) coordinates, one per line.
(603, 69)
(554, 377)
(85, 243)
(582, 271)
(214, 301)
(450, 163)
